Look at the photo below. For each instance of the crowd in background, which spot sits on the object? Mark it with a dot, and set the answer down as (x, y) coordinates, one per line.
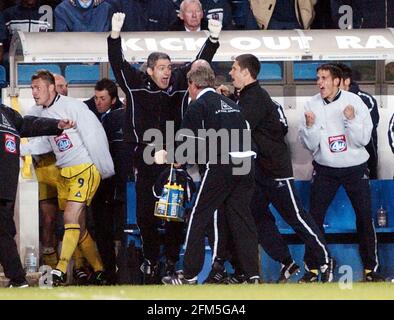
(164, 15)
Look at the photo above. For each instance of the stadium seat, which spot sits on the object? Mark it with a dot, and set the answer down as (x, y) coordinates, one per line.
(340, 216)
(3, 78)
(82, 73)
(270, 71)
(111, 73)
(25, 71)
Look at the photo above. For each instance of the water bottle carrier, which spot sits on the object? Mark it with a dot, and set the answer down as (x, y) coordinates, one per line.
(170, 205)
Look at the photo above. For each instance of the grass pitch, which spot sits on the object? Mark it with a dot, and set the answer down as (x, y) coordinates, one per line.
(332, 291)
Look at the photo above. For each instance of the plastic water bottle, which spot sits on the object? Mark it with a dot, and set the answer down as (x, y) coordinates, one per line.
(31, 261)
(381, 217)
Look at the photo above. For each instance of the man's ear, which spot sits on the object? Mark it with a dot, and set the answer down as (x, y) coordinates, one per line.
(149, 70)
(337, 82)
(347, 82)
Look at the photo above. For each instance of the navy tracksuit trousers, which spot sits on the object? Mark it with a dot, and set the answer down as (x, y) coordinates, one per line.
(355, 180)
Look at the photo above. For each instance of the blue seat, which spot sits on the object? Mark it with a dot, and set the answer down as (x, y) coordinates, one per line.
(111, 73)
(25, 71)
(340, 217)
(82, 73)
(270, 71)
(3, 78)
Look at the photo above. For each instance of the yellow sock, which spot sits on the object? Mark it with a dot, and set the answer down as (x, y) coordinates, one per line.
(70, 242)
(367, 271)
(79, 260)
(314, 271)
(49, 257)
(90, 252)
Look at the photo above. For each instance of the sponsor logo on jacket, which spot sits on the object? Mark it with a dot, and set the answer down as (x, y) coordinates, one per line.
(10, 143)
(337, 143)
(63, 142)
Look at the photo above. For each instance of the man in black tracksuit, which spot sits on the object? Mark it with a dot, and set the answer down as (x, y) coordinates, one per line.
(221, 186)
(153, 98)
(372, 147)
(12, 127)
(274, 174)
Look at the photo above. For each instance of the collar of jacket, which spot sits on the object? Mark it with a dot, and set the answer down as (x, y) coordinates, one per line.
(354, 87)
(95, 2)
(250, 85)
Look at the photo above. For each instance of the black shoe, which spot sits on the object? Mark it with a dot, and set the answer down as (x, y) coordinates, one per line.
(18, 284)
(287, 271)
(374, 277)
(253, 280)
(97, 279)
(235, 278)
(309, 277)
(59, 278)
(150, 272)
(80, 277)
(169, 268)
(217, 275)
(327, 271)
(178, 279)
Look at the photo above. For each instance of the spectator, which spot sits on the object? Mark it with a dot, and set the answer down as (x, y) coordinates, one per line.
(191, 17)
(153, 98)
(219, 10)
(3, 36)
(348, 84)
(83, 16)
(283, 14)
(336, 129)
(24, 17)
(104, 102)
(147, 15)
(61, 84)
(365, 13)
(13, 125)
(242, 15)
(220, 186)
(391, 133)
(323, 17)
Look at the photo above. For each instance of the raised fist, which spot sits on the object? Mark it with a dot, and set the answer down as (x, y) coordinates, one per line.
(117, 21)
(214, 27)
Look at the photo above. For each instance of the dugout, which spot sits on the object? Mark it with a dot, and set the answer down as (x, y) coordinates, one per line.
(289, 59)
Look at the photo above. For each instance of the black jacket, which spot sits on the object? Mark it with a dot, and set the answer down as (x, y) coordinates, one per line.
(12, 127)
(370, 101)
(213, 111)
(268, 133)
(179, 25)
(148, 106)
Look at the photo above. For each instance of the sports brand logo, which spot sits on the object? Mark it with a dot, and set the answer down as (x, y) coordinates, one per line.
(337, 143)
(63, 142)
(10, 143)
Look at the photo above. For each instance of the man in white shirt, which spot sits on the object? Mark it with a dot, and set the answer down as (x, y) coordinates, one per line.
(336, 129)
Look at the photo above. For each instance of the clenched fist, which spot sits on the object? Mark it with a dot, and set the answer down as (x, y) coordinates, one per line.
(117, 23)
(214, 27)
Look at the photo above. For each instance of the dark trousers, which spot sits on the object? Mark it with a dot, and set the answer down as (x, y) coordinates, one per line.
(103, 212)
(283, 196)
(325, 183)
(220, 189)
(148, 223)
(9, 257)
(372, 148)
